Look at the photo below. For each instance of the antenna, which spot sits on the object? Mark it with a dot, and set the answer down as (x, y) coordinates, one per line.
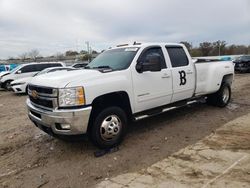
(136, 43)
(120, 45)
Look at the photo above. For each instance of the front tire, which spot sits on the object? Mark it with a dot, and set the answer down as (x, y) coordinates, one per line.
(109, 127)
(222, 97)
(26, 90)
(7, 85)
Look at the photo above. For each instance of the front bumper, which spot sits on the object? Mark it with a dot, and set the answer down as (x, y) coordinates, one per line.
(52, 121)
(19, 88)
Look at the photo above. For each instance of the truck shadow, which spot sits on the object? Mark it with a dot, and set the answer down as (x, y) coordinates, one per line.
(167, 132)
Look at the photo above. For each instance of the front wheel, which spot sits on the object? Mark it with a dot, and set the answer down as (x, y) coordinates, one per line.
(109, 127)
(7, 85)
(222, 97)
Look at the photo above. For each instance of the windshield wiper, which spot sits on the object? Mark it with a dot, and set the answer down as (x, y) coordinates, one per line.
(103, 67)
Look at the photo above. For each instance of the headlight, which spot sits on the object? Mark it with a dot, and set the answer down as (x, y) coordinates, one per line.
(15, 84)
(71, 97)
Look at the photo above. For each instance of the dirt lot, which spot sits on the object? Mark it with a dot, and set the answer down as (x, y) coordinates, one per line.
(221, 159)
(30, 158)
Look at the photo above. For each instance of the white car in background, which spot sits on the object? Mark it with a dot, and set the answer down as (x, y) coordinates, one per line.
(21, 85)
(26, 70)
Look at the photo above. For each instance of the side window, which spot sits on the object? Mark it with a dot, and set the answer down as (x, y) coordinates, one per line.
(40, 67)
(28, 68)
(55, 65)
(177, 56)
(78, 66)
(154, 50)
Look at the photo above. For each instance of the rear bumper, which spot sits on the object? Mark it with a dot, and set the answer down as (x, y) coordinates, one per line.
(76, 121)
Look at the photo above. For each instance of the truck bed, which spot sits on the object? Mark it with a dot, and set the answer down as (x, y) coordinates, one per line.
(207, 60)
(209, 75)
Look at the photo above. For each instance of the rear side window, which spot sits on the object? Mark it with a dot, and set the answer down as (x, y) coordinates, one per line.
(154, 50)
(55, 65)
(40, 67)
(177, 56)
(79, 65)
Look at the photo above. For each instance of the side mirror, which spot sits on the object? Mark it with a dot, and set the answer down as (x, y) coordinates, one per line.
(152, 63)
(19, 72)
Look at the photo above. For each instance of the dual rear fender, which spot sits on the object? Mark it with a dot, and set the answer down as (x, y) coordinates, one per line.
(228, 79)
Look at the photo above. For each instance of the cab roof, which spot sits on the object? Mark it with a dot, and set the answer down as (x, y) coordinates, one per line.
(139, 45)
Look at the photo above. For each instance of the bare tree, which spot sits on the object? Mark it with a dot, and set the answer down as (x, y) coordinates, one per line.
(59, 56)
(188, 45)
(206, 48)
(33, 54)
(23, 56)
(219, 47)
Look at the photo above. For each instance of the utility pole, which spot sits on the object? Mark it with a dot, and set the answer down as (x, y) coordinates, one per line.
(219, 49)
(219, 43)
(87, 43)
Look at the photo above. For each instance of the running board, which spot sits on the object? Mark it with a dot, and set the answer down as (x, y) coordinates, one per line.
(160, 111)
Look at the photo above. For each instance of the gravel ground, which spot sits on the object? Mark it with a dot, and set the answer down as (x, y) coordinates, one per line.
(31, 158)
(221, 159)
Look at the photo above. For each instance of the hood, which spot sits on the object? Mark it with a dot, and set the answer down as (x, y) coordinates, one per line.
(25, 80)
(61, 79)
(4, 73)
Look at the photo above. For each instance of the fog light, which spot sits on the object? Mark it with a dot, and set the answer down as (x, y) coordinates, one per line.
(65, 126)
(62, 126)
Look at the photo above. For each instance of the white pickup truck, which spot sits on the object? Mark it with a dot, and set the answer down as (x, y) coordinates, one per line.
(128, 82)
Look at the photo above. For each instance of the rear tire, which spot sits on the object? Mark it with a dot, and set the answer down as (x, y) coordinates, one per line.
(109, 127)
(222, 97)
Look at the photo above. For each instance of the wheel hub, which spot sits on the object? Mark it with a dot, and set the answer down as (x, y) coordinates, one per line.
(225, 96)
(8, 87)
(110, 127)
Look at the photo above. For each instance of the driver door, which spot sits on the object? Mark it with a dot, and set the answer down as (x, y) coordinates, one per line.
(152, 88)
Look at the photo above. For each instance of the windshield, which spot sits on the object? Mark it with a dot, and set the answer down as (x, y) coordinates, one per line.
(244, 58)
(116, 59)
(41, 72)
(13, 70)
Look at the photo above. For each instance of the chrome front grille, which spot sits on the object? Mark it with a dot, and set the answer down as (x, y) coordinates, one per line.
(44, 91)
(43, 97)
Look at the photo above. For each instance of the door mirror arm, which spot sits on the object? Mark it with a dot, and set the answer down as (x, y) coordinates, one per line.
(19, 72)
(139, 67)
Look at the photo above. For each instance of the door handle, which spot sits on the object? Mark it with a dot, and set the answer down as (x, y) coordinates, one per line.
(165, 76)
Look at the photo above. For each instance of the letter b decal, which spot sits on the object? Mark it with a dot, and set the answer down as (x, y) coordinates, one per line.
(183, 79)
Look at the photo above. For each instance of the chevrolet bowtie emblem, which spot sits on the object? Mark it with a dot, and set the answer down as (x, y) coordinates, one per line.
(34, 94)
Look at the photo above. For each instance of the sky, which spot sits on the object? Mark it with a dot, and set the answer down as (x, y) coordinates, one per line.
(53, 26)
